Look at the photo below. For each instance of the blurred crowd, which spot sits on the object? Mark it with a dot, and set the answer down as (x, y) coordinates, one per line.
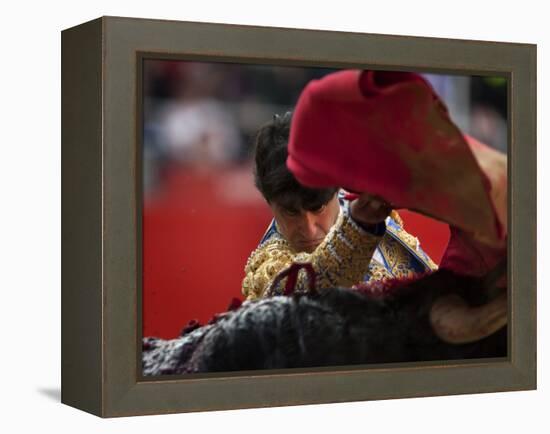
(206, 114)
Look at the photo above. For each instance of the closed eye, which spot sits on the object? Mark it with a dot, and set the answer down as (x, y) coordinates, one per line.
(290, 213)
(320, 209)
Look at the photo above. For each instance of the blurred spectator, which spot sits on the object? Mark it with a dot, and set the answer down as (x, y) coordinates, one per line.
(201, 132)
(488, 126)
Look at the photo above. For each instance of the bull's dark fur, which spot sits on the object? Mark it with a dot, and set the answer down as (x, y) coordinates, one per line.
(336, 327)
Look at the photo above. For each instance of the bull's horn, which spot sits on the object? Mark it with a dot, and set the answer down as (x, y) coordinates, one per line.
(457, 323)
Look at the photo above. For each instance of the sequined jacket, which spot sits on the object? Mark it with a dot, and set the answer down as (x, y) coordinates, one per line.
(348, 255)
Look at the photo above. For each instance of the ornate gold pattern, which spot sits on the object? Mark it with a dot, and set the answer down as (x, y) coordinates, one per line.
(377, 271)
(412, 243)
(340, 260)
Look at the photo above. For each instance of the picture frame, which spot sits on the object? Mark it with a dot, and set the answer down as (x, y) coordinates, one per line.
(101, 225)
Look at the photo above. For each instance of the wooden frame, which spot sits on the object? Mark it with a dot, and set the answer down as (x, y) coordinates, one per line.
(101, 267)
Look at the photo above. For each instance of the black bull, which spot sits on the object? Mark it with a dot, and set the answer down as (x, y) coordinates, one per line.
(380, 323)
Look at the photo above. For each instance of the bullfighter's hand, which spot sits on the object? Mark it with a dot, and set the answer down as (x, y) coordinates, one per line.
(369, 209)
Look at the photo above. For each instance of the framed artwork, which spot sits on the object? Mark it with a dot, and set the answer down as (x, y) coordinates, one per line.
(258, 216)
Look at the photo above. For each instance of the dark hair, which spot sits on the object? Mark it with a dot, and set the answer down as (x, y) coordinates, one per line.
(272, 177)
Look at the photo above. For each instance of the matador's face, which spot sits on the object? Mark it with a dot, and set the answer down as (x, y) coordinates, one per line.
(306, 229)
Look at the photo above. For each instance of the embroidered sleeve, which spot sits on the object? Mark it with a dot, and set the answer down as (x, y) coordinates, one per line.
(342, 259)
(421, 255)
(402, 252)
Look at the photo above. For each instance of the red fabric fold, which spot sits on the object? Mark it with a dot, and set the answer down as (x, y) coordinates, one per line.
(389, 134)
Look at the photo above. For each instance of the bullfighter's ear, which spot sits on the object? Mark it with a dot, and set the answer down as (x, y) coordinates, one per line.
(457, 323)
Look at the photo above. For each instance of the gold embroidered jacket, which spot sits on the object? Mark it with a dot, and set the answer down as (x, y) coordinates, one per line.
(348, 255)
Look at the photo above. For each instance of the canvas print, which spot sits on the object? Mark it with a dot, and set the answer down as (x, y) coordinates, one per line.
(301, 217)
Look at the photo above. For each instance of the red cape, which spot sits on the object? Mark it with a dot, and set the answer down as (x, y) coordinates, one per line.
(389, 134)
